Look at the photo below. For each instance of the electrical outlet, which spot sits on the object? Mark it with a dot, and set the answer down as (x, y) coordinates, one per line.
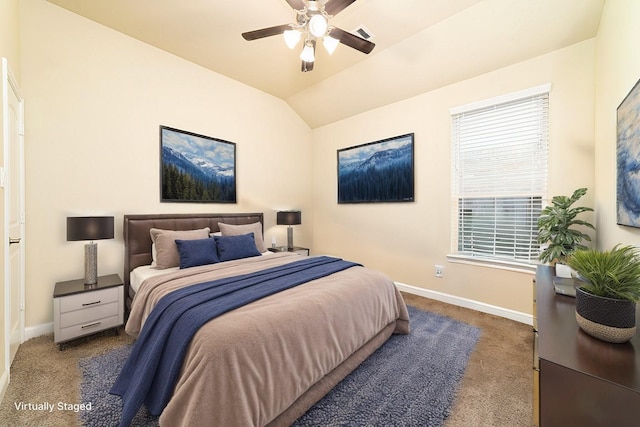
(439, 271)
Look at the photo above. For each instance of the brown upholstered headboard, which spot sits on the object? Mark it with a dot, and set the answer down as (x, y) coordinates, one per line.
(137, 240)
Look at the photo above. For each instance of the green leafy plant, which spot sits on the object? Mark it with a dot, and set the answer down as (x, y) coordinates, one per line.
(555, 227)
(611, 274)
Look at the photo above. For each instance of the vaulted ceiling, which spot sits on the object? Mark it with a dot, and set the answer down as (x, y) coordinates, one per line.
(420, 44)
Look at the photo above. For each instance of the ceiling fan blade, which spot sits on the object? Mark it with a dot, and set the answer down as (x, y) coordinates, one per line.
(265, 32)
(296, 4)
(364, 46)
(333, 7)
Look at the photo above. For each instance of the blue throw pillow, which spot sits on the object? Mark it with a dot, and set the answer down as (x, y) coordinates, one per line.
(197, 252)
(236, 247)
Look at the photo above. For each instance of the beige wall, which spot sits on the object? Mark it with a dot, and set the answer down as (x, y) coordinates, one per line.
(9, 48)
(617, 70)
(95, 100)
(406, 240)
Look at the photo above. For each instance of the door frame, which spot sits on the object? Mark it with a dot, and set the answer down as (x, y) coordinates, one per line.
(9, 83)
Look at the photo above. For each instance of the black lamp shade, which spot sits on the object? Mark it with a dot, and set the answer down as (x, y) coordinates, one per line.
(89, 228)
(289, 218)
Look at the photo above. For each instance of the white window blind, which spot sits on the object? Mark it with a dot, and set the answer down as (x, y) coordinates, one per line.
(499, 178)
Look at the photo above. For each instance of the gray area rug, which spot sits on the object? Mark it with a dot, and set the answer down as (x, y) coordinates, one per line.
(410, 381)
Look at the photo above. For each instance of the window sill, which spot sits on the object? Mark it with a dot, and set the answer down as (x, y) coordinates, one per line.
(493, 263)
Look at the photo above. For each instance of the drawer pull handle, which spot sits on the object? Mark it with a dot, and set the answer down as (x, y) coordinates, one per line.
(91, 303)
(90, 325)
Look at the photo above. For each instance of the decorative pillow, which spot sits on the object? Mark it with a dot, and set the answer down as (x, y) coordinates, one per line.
(165, 241)
(236, 247)
(236, 230)
(154, 255)
(197, 252)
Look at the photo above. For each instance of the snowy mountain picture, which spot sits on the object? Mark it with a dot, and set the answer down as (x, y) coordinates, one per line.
(196, 168)
(380, 171)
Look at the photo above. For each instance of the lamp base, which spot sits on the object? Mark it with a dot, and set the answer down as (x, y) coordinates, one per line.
(91, 263)
(290, 237)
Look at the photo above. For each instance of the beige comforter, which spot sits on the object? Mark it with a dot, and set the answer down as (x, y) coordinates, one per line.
(247, 366)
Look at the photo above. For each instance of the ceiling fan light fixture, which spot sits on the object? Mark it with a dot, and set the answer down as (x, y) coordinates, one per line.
(312, 25)
(307, 54)
(330, 44)
(291, 38)
(318, 25)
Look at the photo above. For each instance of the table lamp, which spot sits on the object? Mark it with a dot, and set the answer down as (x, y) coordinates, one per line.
(289, 218)
(90, 228)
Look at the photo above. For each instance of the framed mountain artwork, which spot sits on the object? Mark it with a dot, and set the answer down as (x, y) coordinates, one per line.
(628, 159)
(196, 168)
(377, 172)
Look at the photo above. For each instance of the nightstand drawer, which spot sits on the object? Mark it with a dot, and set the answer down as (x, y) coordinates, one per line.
(79, 330)
(88, 299)
(88, 314)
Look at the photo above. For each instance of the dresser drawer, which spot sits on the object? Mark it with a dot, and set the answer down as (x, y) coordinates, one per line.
(79, 330)
(89, 314)
(88, 299)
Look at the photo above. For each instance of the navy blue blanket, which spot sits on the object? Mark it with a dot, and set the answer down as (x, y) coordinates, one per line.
(151, 371)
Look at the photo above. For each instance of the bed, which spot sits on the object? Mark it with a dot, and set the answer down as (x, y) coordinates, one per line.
(265, 363)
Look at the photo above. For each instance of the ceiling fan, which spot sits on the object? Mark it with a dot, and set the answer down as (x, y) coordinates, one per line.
(312, 23)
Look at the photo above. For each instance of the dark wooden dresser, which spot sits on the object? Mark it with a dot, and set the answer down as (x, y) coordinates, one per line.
(582, 381)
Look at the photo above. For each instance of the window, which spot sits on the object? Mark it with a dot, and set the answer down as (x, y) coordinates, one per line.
(499, 183)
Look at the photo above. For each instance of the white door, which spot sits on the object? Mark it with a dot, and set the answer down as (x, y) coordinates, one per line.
(13, 181)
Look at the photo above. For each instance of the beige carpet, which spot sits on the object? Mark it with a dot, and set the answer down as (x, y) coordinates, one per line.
(497, 389)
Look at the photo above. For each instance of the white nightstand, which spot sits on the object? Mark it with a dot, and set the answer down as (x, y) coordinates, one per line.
(297, 249)
(80, 309)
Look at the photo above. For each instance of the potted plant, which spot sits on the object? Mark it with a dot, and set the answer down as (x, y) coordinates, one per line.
(606, 301)
(556, 229)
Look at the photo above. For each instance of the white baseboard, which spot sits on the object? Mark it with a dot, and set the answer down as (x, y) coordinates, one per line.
(36, 331)
(47, 328)
(467, 303)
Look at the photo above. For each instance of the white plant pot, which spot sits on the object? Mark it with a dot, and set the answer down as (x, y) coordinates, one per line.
(563, 270)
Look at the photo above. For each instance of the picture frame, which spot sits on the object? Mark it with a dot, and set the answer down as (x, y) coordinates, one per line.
(377, 172)
(628, 159)
(196, 168)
